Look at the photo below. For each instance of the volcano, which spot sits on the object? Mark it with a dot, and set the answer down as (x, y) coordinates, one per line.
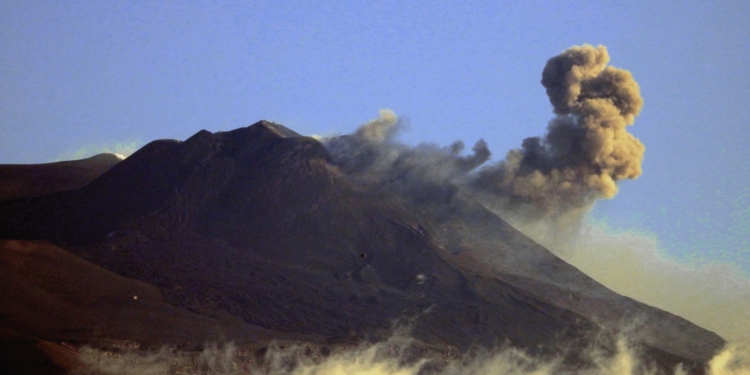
(255, 236)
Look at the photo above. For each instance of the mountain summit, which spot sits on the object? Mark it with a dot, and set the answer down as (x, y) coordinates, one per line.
(255, 234)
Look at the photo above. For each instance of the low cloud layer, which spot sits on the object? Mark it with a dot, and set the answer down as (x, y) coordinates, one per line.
(391, 357)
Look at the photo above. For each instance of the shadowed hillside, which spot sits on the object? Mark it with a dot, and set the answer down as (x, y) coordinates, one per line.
(256, 228)
(32, 180)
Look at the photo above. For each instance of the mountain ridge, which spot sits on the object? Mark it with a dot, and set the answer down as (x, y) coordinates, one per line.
(258, 224)
(23, 180)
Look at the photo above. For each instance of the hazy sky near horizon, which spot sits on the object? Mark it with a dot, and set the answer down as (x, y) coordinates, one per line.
(78, 78)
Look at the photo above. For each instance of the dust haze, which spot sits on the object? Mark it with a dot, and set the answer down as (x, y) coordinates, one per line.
(713, 296)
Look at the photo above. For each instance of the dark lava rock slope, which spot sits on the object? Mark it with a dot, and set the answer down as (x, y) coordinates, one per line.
(257, 224)
(32, 180)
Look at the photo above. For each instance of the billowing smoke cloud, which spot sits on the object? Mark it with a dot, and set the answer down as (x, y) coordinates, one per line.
(587, 148)
(585, 151)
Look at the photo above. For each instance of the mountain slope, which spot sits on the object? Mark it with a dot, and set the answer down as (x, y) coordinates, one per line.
(32, 180)
(257, 224)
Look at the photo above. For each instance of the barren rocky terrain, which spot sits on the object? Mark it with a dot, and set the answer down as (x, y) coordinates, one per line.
(254, 235)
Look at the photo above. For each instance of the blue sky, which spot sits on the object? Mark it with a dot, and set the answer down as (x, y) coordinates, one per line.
(81, 77)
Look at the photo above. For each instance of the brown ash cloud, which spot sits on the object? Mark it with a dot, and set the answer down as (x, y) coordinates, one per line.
(558, 176)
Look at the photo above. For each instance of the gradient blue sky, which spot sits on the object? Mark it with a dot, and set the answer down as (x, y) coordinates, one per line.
(81, 77)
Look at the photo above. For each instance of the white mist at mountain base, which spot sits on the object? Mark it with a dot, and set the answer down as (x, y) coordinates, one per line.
(385, 358)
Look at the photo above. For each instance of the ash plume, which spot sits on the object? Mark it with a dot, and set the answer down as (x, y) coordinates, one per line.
(426, 172)
(585, 151)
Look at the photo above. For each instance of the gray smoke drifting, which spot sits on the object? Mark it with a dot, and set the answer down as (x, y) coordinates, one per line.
(585, 151)
(423, 173)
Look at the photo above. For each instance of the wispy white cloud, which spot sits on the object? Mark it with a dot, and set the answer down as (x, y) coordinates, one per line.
(124, 149)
